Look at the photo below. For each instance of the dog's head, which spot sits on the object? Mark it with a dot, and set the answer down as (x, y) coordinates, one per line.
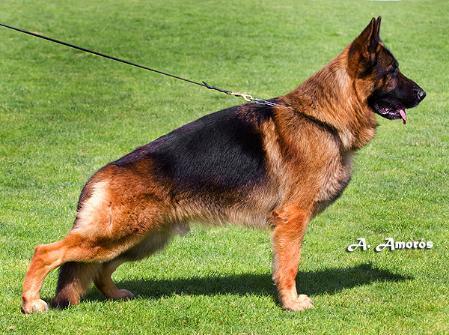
(376, 74)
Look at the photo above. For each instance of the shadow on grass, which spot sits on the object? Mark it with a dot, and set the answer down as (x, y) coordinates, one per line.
(311, 283)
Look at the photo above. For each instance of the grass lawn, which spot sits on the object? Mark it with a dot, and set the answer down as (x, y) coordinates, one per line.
(64, 114)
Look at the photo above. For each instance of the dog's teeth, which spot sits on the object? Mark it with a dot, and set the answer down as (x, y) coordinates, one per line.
(403, 116)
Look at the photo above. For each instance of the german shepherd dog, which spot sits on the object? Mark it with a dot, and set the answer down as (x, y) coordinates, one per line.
(258, 165)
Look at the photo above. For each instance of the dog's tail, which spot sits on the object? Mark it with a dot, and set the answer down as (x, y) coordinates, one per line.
(74, 279)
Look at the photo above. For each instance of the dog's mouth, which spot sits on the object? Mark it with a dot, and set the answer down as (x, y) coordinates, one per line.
(391, 110)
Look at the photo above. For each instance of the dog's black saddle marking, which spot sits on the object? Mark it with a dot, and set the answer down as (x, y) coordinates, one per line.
(220, 151)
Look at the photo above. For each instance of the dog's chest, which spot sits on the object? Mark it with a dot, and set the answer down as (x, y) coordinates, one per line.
(334, 180)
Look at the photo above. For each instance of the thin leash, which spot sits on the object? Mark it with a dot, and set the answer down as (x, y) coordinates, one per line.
(245, 96)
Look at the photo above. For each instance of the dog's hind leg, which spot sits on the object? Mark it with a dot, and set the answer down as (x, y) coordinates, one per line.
(75, 248)
(103, 281)
(109, 222)
(152, 242)
(74, 279)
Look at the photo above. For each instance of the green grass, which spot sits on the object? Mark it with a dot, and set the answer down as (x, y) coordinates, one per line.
(63, 114)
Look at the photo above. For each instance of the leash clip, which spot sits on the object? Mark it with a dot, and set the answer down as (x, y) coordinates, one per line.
(245, 96)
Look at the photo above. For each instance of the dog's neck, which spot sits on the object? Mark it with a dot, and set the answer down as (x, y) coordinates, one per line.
(331, 96)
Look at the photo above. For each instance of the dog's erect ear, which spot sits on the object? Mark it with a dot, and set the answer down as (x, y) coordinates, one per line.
(369, 38)
(365, 47)
(378, 21)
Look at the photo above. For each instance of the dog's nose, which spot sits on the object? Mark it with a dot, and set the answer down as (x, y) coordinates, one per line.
(421, 94)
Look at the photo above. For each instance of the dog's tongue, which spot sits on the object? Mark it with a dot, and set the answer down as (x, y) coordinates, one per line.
(403, 115)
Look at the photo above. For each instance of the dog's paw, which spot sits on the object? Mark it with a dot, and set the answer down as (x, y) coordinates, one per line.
(34, 306)
(301, 303)
(122, 294)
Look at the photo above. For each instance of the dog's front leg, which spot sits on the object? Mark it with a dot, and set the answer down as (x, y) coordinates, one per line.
(289, 227)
